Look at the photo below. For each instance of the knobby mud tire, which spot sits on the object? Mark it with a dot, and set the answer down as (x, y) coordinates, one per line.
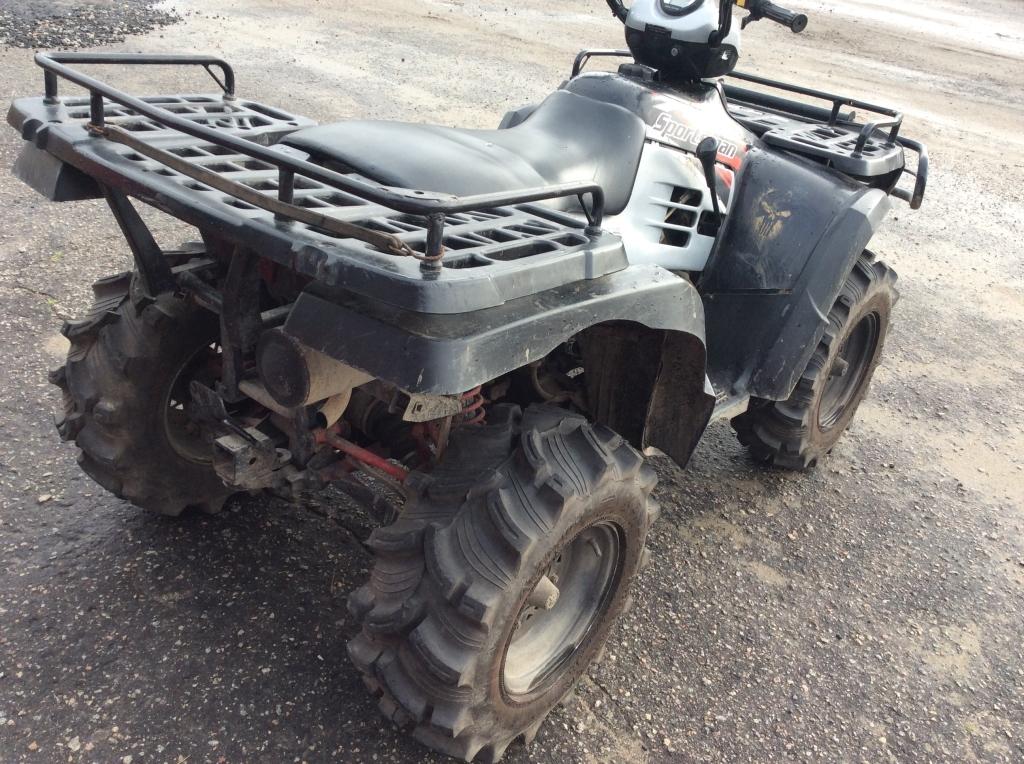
(453, 573)
(124, 357)
(790, 434)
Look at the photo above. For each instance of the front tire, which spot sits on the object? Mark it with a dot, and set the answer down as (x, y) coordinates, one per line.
(125, 390)
(501, 581)
(798, 432)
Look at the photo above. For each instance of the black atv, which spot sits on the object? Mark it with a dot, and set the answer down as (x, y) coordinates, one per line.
(477, 333)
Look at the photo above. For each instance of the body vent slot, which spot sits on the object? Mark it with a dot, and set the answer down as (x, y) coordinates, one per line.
(681, 216)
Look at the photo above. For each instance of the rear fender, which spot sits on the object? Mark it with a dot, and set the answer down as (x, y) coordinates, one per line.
(648, 385)
(646, 373)
(54, 179)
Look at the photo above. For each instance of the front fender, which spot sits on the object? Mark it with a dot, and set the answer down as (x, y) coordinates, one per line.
(794, 231)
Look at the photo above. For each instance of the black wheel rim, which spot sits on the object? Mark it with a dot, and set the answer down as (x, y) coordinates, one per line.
(849, 371)
(183, 434)
(545, 641)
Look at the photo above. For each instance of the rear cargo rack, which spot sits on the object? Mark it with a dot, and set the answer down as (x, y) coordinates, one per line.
(197, 119)
(866, 150)
(217, 162)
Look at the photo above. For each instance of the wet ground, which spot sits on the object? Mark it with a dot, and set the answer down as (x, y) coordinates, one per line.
(870, 611)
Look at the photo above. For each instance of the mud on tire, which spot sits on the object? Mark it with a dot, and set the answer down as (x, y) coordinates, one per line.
(125, 356)
(449, 589)
(796, 433)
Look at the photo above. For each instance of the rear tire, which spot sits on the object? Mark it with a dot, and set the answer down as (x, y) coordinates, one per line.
(796, 433)
(452, 642)
(129, 358)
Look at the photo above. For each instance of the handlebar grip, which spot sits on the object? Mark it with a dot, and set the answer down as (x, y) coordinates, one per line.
(797, 22)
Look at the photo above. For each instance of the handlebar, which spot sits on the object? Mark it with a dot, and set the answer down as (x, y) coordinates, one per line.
(765, 9)
(618, 9)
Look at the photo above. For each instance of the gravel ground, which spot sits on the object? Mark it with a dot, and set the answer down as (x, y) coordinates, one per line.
(869, 611)
(61, 24)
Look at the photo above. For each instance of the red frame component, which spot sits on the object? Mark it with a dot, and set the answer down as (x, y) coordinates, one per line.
(360, 454)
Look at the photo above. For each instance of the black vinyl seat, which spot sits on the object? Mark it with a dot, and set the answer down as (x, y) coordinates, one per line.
(567, 138)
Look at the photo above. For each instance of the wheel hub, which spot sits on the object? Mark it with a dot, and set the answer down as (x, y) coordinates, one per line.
(565, 604)
(849, 371)
(839, 368)
(183, 433)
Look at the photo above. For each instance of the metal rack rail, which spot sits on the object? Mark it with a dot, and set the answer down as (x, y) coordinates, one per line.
(834, 116)
(433, 206)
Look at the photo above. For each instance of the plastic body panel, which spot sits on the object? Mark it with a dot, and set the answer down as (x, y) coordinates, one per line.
(677, 119)
(660, 223)
(447, 355)
(793, 234)
(679, 116)
(54, 179)
(654, 381)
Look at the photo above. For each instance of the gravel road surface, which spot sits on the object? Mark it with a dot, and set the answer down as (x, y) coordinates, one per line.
(869, 611)
(68, 24)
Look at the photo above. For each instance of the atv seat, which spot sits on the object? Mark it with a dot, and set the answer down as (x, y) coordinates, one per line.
(568, 138)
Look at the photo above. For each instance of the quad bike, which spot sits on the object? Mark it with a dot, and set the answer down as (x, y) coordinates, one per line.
(477, 334)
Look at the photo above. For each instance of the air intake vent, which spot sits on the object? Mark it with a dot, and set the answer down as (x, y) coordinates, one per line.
(681, 216)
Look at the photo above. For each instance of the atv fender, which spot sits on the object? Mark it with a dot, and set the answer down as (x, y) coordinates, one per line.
(794, 232)
(54, 179)
(645, 359)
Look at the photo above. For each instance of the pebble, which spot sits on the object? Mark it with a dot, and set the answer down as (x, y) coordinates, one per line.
(40, 24)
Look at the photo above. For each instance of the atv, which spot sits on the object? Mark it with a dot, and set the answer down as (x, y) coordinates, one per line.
(477, 334)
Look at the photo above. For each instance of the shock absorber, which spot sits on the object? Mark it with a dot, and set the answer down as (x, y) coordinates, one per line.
(473, 408)
(433, 436)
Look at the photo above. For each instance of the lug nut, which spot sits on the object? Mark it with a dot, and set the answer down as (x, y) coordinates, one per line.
(544, 594)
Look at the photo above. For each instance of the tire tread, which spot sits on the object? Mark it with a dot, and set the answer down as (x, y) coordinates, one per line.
(779, 433)
(466, 557)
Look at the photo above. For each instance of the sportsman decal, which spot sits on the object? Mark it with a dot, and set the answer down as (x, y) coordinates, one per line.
(676, 133)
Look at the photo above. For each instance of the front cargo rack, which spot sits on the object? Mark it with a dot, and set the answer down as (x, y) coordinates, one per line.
(215, 161)
(865, 150)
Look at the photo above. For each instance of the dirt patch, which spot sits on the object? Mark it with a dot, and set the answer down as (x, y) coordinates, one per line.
(56, 346)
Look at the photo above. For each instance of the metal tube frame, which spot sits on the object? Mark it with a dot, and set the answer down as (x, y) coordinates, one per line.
(411, 201)
(834, 116)
(838, 102)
